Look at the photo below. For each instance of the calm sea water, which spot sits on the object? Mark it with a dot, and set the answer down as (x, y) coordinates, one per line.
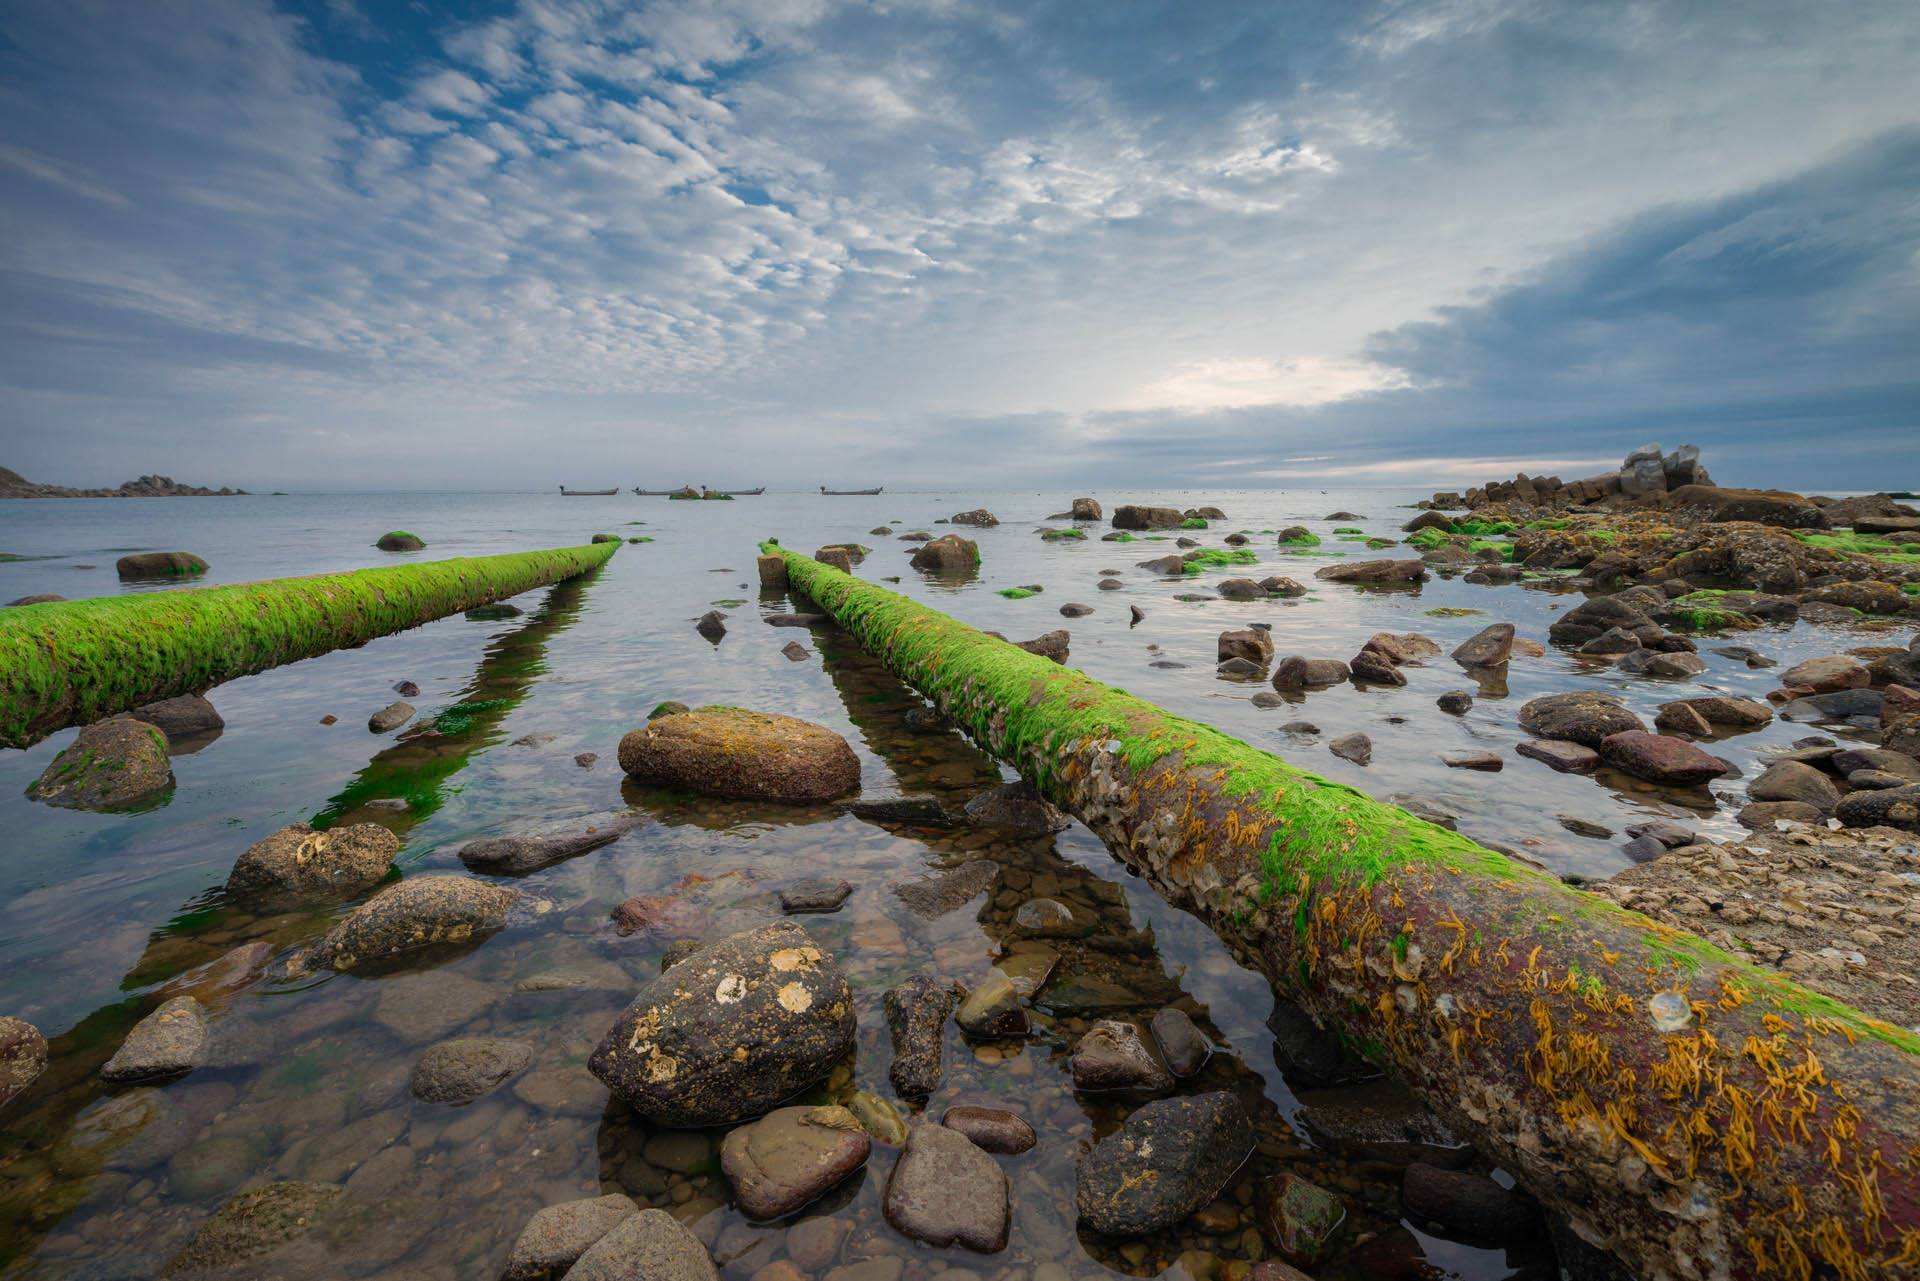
(108, 913)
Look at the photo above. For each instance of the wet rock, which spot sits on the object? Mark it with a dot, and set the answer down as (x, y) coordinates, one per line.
(795, 651)
(731, 1030)
(1135, 614)
(1279, 585)
(945, 1191)
(949, 890)
(1110, 585)
(1592, 619)
(1678, 718)
(493, 613)
(1840, 705)
(464, 1069)
(772, 568)
(814, 1243)
(712, 625)
(1489, 647)
(168, 1043)
(668, 708)
(1029, 968)
(1171, 565)
(794, 620)
(791, 1156)
(1300, 1219)
(1669, 666)
(916, 1012)
(1015, 807)
(651, 1245)
(184, 718)
(1793, 781)
(149, 565)
(1114, 1056)
(1130, 516)
(557, 1235)
(1583, 827)
(1889, 807)
(254, 1224)
(1299, 672)
(1169, 1158)
(947, 554)
(419, 913)
(1381, 1121)
(529, 852)
(391, 717)
(1073, 609)
(818, 894)
(1184, 1046)
(1240, 669)
(1762, 815)
(1374, 572)
(23, 1057)
(298, 861)
(1255, 644)
(1308, 1056)
(1643, 849)
(1660, 758)
(991, 1129)
(1455, 701)
(732, 752)
(1855, 759)
(1085, 509)
(429, 1005)
(1825, 675)
(992, 1009)
(879, 1117)
(1355, 747)
(1469, 1207)
(1371, 667)
(912, 811)
(1485, 762)
(112, 765)
(979, 517)
(1582, 716)
(660, 916)
(1053, 645)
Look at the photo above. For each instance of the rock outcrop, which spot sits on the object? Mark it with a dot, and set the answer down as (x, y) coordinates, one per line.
(14, 485)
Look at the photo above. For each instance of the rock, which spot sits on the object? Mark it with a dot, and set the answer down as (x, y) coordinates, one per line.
(1470, 1207)
(1380, 1121)
(1370, 667)
(184, 718)
(992, 1009)
(791, 1156)
(668, 708)
(1793, 781)
(1428, 520)
(991, 1129)
(1299, 672)
(1278, 585)
(23, 1057)
(462, 1070)
(650, 1245)
(795, 652)
(493, 613)
(114, 764)
(1015, 807)
(1051, 645)
(979, 517)
(1110, 585)
(1840, 705)
(147, 565)
(732, 1030)
(1184, 1046)
(1167, 1160)
(712, 625)
(1825, 675)
(1240, 589)
(815, 895)
(1583, 717)
(297, 861)
(814, 1242)
(168, 1043)
(947, 554)
(391, 717)
(1374, 572)
(945, 1191)
(772, 568)
(1134, 615)
(916, 1012)
(1488, 647)
(254, 1224)
(419, 913)
(1659, 758)
(1878, 759)
(1355, 747)
(1760, 506)
(1888, 807)
(1113, 1056)
(1678, 718)
(1762, 815)
(1614, 641)
(1300, 1219)
(529, 852)
(1457, 702)
(559, 1234)
(1650, 662)
(1485, 762)
(732, 752)
(948, 890)
(912, 811)
(1170, 565)
(1255, 644)
(1129, 516)
(1240, 669)
(1085, 509)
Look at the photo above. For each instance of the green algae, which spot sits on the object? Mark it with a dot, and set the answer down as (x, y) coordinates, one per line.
(1871, 546)
(1348, 529)
(1015, 593)
(1477, 527)
(1558, 523)
(1064, 535)
(1194, 522)
(75, 662)
(1427, 539)
(1213, 558)
(1451, 611)
(1121, 536)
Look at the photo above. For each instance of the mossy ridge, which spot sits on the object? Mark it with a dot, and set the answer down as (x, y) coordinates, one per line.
(1871, 546)
(1322, 832)
(75, 662)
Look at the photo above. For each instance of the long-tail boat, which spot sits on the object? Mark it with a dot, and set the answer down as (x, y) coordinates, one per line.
(588, 493)
(849, 493)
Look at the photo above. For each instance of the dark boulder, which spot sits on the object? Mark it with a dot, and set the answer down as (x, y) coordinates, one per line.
(1169, 1158)
(419, 914)
(184, 718)
(1582, 716)
(948, 554)
(151, 565)
(1660, 758)
(115, 764)
(1114, 1056)
(917, 1011)
(1489, 647)
(733, 752)
(1300, 672)
(298, 861)
(991, 1129)
(791, 1156)
(1130, 516)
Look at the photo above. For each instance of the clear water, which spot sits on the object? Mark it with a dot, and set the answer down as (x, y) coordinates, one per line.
(106, 914)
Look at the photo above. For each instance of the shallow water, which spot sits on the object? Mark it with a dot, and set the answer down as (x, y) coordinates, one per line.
(108, 913)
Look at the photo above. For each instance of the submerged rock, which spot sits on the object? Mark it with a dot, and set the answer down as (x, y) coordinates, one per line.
(791, 1156)
(816, 895)
(1471, 1207)
(254, 1224)
(650, 1245)
(189, 716)
(945, 1191)
(420, 913)
(23, 1056)
(1170, 1158)
(159, 565)
(113, 764)
(992, 1009)
(1016, 807)
(1183, 1045)
(557, 1235)
(991, 1129)
(298, 861)
(917, 1012)
(390, 717)
(529, 852)
(170, 1042)
(1301, 1219)
(732, 752)
(949, 890)
(1114, 1056)
(464, 1069)
(731, 1030)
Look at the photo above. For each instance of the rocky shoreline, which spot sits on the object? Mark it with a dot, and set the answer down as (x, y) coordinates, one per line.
(14, 485)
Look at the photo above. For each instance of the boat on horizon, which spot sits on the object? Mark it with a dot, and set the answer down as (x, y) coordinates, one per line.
(717, 493)
(850, 493)
(588, 493)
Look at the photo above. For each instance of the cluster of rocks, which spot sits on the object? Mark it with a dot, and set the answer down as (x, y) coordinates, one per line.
(1644, 475)
(14, 485)
(1131, 516)
(126, 762)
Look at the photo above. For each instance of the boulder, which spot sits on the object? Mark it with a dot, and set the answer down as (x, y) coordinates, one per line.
(1762, 815)
(991, 1129)
(948, 554)
(1183, 1046)
(23, 1057)
(1278, 585)
(1581, 716)
(991, 1009)
(1794, 781)
(254, 1224)
(1469, 1207)
(1660, 758)
(1488, 647)
(1678, 718)
(1562, 755)
(1827, 674)
(733, 752)
(773, 572)
(945, 1191)
(1169, 564)
(1759, 506)
(298, 861)
(1869, 596)
(529, 852)
(1300, 672)
(466, 1068)
(1167, 1160)
(650, 1245)
(399, 540)
(917, 1011)
(1085, 509)
(791, 1156)
(732, 1030)
(1300, 1218)
(1652, 662)
(1355, 747)
(979, 517)
(1255, 644)
(1240, 589)
(1129, 516)
(1114, 1056)
(1881, 807)
(115, 764)
(1456, 702)
(815, 895)
(391, 717)
(1374, 572)
(711, 625)
(1727, 711)
(557, 1235)
(1371, 667)
(420, 913)
(184, 718)
(168, 1043)
(1016, 808)
(149, 565)
(1053, 645)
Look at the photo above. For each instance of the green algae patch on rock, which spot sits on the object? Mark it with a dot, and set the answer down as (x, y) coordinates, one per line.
(74, 662)
(1194, 522)
(253, 1225)
(1015, 593)
(743, 755)
(116, 764)
(400, 540)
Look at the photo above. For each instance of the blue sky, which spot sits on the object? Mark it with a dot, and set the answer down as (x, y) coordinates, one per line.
(340, 243)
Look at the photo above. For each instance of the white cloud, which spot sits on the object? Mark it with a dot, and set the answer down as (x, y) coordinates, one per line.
(1206, 385)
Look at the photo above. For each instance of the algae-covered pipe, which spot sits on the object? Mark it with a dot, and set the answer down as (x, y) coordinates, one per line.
(1696, 1115)
(74, 662)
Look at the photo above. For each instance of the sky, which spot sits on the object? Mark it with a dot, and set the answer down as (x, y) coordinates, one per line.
(382, 244)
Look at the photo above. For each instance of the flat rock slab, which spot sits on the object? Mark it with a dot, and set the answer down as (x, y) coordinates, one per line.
(529, 852)
(744, 755)
(1583, 716)
(948, 890)
(186, 717)
(650, 1245)
(1170, 1158)
(169, 1042)
(790, 1156)
(299, 861)
(464, 1069)
(820, 894)
(557, 1235)
(945, 1191)
(1560, 754)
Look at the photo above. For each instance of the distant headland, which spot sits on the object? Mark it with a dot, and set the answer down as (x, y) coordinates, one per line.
(14, 485)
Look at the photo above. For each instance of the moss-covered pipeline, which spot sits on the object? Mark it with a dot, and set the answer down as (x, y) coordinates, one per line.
(74, 662)
(1698, 1116)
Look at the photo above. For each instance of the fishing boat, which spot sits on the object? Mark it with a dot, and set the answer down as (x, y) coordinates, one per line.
(850, 493)
(740, 493)
(588, 493)
(654, 493)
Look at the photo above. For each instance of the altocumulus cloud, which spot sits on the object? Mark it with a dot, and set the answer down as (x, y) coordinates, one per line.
(345, 243)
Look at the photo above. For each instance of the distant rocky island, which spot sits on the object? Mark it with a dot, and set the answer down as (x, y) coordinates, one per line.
(14, 485)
